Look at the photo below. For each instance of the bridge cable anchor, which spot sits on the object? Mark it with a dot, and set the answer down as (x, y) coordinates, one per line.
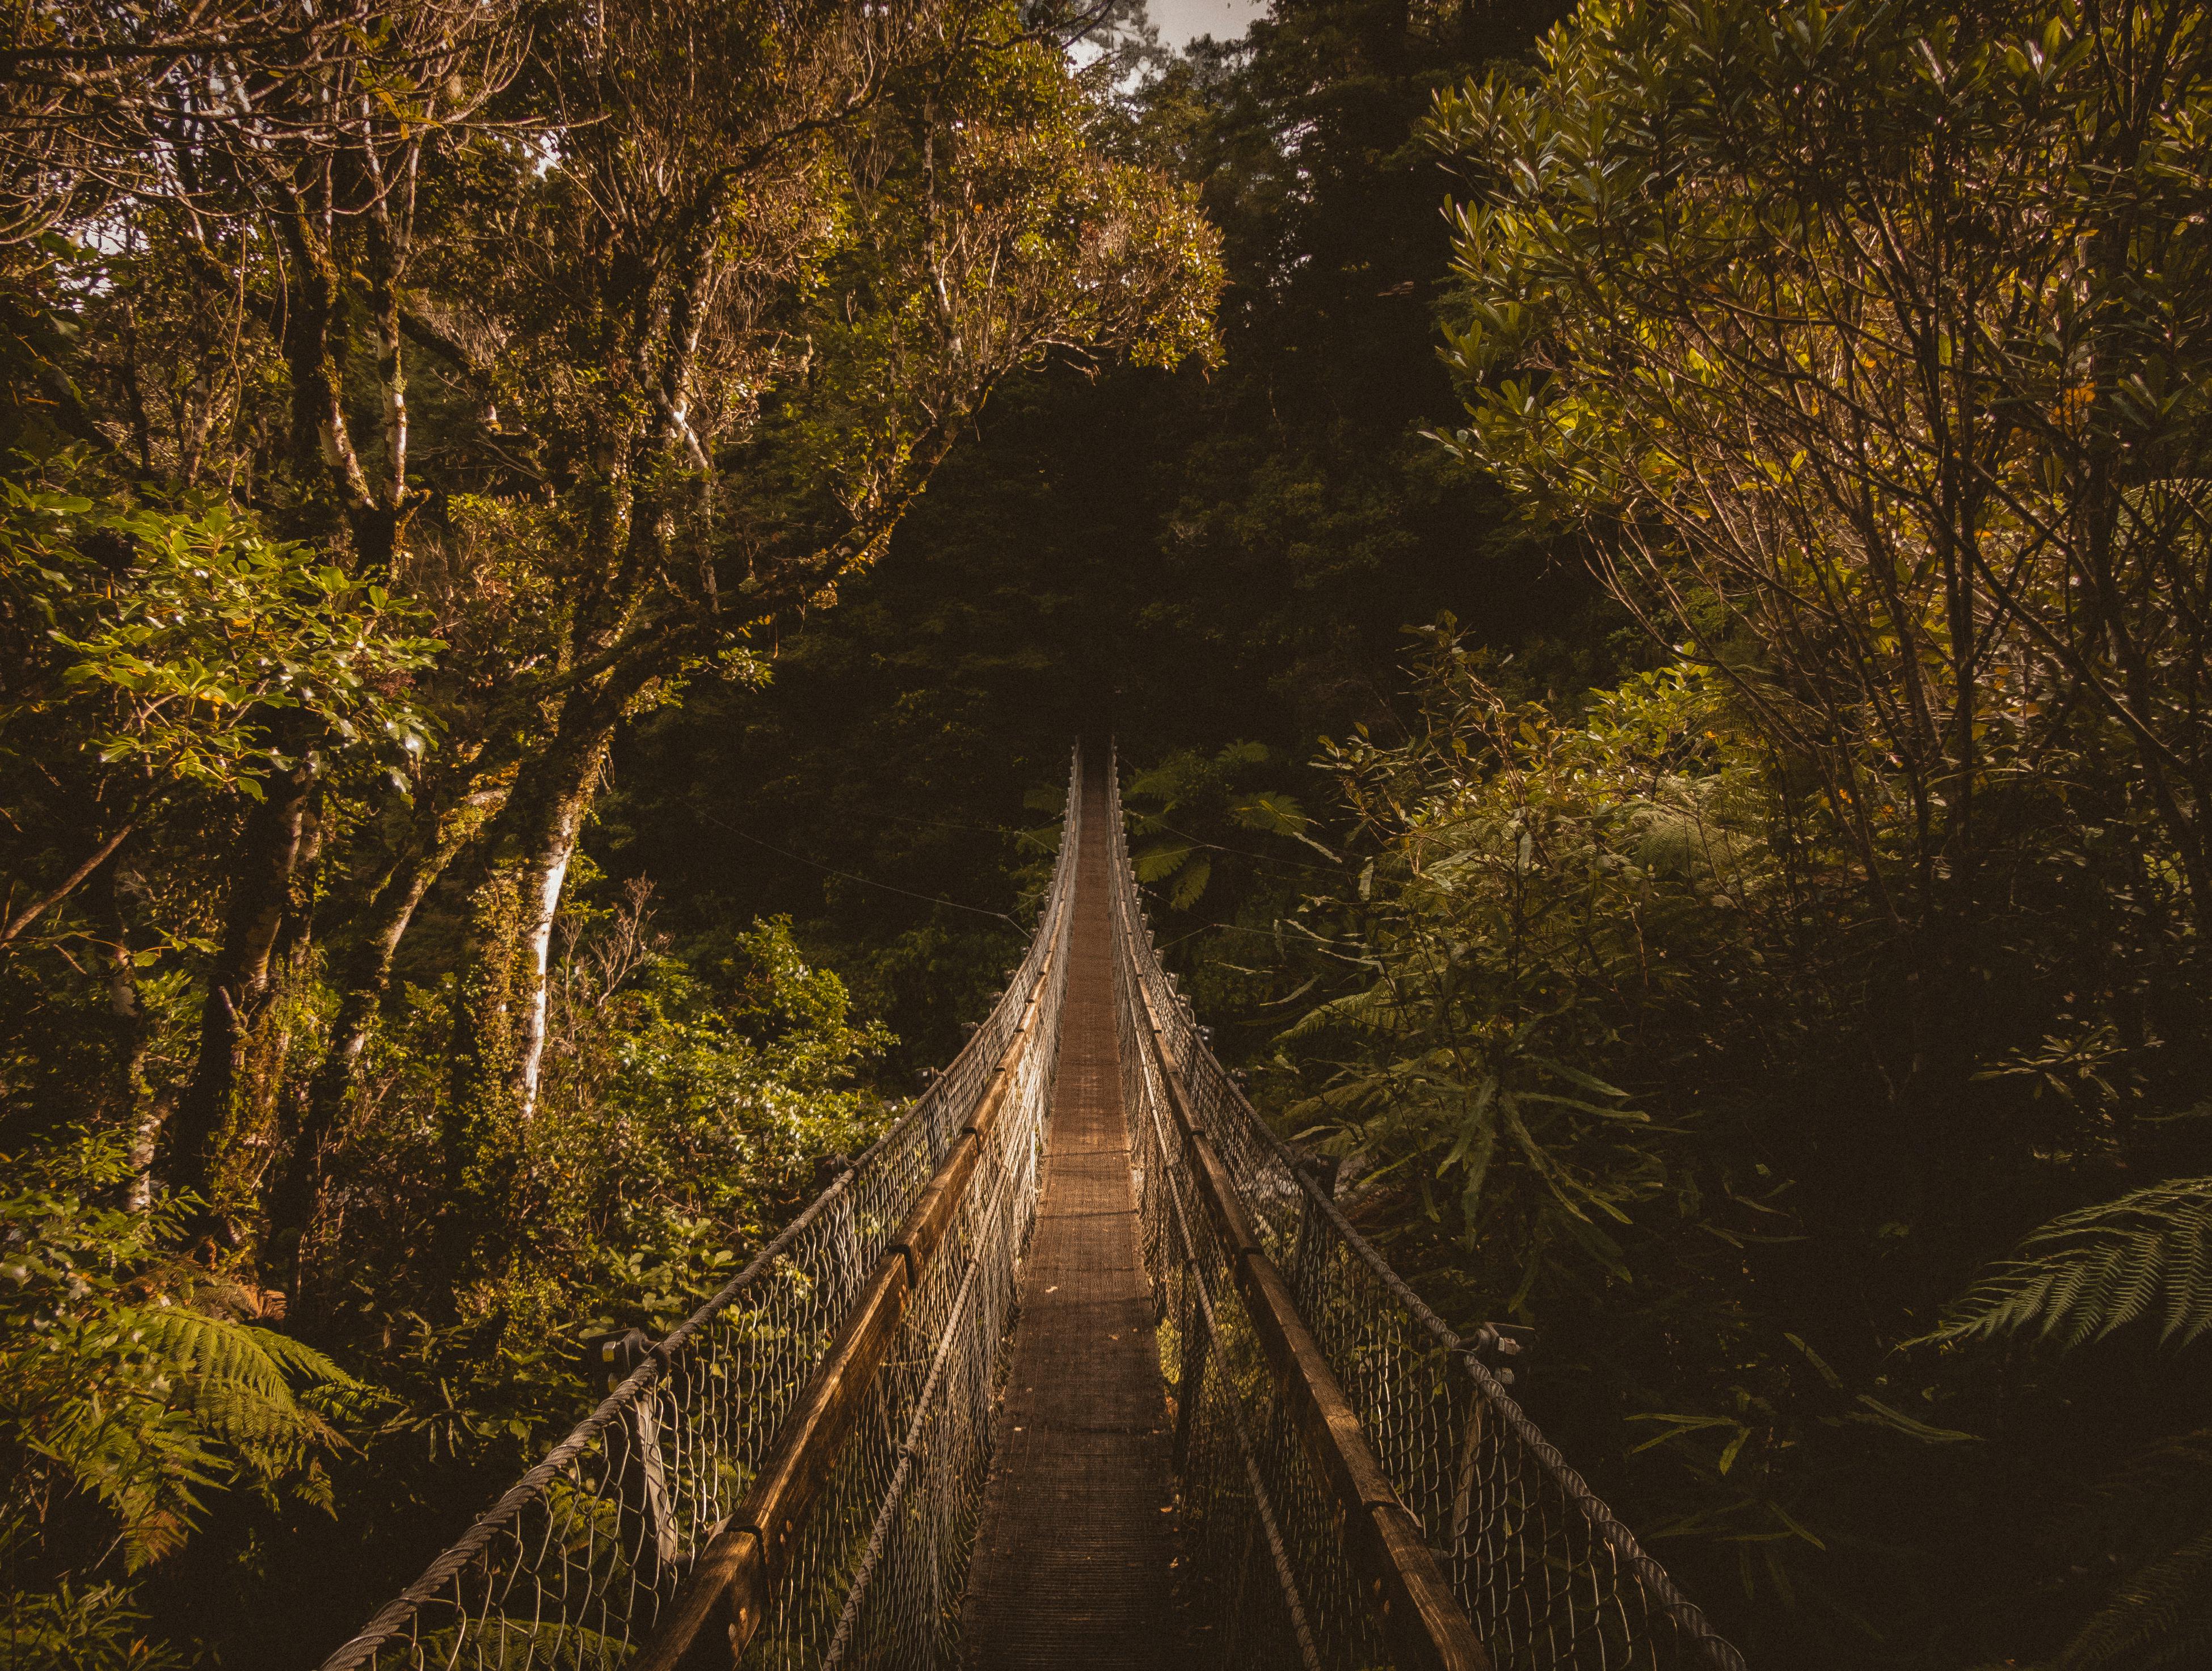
(1499, 1346)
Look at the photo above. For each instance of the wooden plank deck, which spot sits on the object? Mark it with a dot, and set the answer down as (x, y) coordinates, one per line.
(1072, 1562)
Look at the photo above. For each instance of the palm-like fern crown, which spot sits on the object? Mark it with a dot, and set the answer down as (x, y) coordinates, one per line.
(2088, 1272)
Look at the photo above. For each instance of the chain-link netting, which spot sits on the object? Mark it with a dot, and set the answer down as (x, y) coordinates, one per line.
(573, 1567)
(1547, 1575)
(1251, 1504)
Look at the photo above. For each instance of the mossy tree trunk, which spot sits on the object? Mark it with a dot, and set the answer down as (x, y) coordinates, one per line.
(276, 852)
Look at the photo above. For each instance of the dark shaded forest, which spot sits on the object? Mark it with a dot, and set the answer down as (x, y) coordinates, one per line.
(1646, 570)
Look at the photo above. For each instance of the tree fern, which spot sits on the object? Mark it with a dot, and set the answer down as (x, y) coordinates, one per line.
(2159, 1616)
(1375, 1009)
(2099, 1268)
(239, 1382)
(141, 1405)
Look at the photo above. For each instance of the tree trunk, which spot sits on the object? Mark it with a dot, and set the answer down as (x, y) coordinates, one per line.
(132, 1103)
(499, 1011)
(278, 834)
(541, 890)
(512, 928)
(296, 1199)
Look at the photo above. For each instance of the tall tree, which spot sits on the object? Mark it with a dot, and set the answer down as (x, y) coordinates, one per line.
(1887, 378)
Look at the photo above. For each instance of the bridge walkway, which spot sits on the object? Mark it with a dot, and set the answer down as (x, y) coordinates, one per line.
(1072, 1566)
(956, 1333)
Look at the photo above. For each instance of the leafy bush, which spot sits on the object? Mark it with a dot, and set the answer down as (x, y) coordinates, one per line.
(1550, 900)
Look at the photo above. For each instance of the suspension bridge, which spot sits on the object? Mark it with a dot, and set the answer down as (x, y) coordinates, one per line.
(1079, 1365)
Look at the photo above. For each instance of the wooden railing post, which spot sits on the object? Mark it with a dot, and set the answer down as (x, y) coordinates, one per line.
(636, 1469)
(1190, 1379)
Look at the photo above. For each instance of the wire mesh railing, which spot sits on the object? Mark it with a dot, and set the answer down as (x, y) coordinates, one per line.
(592, 1554)
(799, 1466)
(1544, 1573)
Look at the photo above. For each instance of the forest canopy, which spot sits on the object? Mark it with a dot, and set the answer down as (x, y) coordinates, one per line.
(402, 398)
(1661, 710)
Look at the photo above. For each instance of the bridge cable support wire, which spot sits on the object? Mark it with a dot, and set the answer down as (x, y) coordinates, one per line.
(795, 1476)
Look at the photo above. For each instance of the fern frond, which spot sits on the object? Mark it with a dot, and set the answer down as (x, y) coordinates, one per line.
(241, 1381)
(1190, 882)
(2188, 1284)
(2161, 1616)
(1371, 1009)
(2099, 1268)
(1160, 860)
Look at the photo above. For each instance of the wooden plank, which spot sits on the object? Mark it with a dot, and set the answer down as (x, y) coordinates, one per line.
(1326, 1421)
(1422, 1617)
(1230, 1213)
(716, 1611)
(719, 1606)
(1074, 1559)
(1226, 1205)
(995, 1094)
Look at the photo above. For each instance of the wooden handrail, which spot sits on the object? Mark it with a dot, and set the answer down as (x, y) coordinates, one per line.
(1422, 1619)
(718, 1608)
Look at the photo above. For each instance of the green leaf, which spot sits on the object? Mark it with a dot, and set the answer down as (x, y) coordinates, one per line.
(1884, 1416)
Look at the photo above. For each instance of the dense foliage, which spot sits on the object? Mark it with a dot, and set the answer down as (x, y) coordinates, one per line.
(1731, 1017)
(1775, 979)
(1217, 562)
(505, 768)
(401, 399)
